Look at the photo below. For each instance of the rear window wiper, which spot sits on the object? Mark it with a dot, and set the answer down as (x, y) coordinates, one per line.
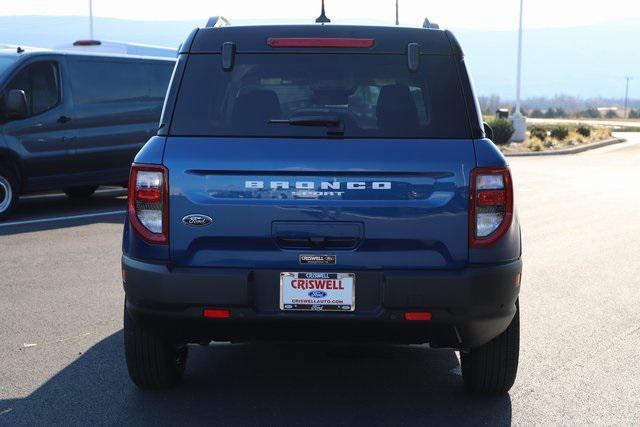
(333, 124)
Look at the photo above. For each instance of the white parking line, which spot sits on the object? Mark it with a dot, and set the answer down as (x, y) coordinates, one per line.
(62, 218)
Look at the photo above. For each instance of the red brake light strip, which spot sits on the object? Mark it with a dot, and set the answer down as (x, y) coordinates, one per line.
(320, 42)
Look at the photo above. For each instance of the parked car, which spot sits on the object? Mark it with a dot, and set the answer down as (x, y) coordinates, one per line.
(321, 183)
(74, 121)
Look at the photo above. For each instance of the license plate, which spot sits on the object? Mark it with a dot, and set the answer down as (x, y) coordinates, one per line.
(317, 291)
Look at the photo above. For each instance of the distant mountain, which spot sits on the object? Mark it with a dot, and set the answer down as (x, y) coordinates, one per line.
(583, 61)
(49, 31)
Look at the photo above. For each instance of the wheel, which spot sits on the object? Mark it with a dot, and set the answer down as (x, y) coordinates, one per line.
(152, 363)
(80, 192)
(492, 367)
(9, 190)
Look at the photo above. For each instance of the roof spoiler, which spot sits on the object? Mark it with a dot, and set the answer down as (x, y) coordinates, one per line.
(429, 24)
(217, 22)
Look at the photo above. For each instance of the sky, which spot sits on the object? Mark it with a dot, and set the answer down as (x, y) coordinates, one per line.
(476, 14)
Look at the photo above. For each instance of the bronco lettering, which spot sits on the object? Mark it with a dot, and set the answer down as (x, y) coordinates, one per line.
(323, 185)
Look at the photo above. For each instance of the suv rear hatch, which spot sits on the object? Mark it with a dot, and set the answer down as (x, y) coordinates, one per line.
(320, 154)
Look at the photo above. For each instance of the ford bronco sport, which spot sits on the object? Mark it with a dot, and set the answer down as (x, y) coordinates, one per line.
(337, 179)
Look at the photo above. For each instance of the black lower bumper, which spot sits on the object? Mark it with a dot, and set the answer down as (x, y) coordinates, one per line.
(469, 307)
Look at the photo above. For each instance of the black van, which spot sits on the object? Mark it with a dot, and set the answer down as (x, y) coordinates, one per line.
(74, 121)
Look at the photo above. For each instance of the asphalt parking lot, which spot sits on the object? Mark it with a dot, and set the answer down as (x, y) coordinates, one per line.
(61, 325)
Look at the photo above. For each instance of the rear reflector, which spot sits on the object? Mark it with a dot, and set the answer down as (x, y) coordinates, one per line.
(320, 42)
(417, 316)
(216, 313)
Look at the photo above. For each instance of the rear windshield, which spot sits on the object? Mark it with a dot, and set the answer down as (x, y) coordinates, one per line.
(372, 96)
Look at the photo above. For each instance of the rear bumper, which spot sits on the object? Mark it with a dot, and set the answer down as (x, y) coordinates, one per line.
(469, 307)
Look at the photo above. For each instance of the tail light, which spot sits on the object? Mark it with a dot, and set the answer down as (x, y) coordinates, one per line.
(148, 202)
(491, 205)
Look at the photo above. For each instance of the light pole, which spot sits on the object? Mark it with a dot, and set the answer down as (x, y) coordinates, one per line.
(518, 120)
(90, 20)
(397, 17)
(626, 96)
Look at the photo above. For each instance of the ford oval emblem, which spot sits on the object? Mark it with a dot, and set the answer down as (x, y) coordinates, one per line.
(197, 220)
(317, 294)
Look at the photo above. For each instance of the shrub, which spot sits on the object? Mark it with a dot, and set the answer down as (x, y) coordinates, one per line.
(611, 114)
(634, 114)
(559, 132)
(537, 113)
(553, 113)
(584, 130)
(502, 131)
(538, 132)
(534, 145)
(601, 133)
(591, 113)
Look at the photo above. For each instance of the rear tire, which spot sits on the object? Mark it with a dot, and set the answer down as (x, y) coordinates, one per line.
(492, 367)
(153, 364)
(80, 192)
(9, 190)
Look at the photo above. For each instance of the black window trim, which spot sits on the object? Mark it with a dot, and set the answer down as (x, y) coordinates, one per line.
(28, 64)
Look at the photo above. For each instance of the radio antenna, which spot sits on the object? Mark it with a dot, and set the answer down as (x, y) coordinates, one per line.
(322, 19)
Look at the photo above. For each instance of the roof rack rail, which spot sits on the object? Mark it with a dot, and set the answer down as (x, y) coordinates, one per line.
(217, 22)
(429, 24)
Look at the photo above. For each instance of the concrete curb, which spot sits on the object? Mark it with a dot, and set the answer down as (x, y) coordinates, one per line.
(573, 150)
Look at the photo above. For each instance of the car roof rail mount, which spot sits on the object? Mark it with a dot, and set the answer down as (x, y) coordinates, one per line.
(429, 24)
(217, 22)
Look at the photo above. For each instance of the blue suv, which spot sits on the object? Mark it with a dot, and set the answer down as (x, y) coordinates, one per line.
(321, 183)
